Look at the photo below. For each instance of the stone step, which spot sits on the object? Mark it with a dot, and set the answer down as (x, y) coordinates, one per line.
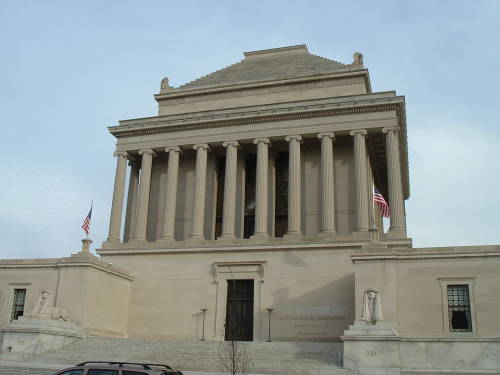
(263, 357)
(11, 370)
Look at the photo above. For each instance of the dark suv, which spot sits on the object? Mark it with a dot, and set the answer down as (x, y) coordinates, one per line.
(118, 368)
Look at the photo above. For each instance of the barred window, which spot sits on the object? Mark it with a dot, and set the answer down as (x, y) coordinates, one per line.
(18, 305)
(459, 313)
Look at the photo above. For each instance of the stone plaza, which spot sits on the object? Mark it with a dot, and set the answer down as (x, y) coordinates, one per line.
(245, 211)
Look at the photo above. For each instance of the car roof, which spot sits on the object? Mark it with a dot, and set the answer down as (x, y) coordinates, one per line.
(151, 369)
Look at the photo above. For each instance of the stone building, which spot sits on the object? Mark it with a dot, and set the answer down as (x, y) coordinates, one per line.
(248, 201)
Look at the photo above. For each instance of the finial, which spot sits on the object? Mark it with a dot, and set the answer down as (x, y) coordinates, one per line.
(165, 86)
(358, 58)
(86, 245)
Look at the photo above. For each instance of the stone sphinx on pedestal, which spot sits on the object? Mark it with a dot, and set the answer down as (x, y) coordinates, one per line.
(371, 346)
(45, 310)
(45, 327)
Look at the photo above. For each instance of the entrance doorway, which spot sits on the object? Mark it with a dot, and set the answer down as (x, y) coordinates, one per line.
(239, 310)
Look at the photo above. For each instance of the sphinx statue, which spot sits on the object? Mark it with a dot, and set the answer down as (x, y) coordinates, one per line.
(44, 308)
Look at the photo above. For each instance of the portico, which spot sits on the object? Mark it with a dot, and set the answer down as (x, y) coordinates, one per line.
(322, 140)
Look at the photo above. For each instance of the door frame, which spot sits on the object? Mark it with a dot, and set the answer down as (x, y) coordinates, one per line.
(224, 271)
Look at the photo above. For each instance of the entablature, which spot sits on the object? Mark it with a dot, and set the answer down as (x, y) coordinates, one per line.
(372, 112)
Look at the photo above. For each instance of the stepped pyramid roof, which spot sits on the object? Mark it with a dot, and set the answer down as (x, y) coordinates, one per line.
(270, 64)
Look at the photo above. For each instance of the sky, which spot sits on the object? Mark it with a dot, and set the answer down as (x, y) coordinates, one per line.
(70, 69)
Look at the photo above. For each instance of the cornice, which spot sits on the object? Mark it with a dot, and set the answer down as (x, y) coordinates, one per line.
(250, 117)
(73, 261)
(429, 253)
(199, 91)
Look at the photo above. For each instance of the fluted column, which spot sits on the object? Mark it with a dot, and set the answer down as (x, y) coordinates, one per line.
(360, 180)
(327, 184)
(133, 189)
(171, 193)
(261, 189)
(118, 193)
(229, 210)
(294, 214)
(141, 220)
(199, 191)
(396, 203)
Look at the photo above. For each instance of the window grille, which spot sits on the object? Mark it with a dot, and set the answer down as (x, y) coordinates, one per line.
(18, 305)
(459, 313)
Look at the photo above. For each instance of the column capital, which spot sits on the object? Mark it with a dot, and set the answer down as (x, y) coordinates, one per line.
(231, 143)
(147, 151)
(388, 129)
(363, 132)
(326, 134)
(261, 140)
(173, 148)
(203, 146)
(121, 153)
(289, 138)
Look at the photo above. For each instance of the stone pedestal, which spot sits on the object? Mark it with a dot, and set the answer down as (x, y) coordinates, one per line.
(371, 348)
(26, 337)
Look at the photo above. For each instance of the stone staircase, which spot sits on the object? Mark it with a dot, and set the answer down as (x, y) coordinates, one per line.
(304, 358)
(25, 370)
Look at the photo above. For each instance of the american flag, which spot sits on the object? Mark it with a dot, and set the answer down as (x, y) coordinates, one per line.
(86, 222)
(383, 207)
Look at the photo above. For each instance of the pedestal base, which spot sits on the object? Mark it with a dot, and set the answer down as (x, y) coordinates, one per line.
(24, 338)
(371, 348)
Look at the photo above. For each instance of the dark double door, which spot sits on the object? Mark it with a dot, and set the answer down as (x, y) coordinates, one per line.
(239, 311)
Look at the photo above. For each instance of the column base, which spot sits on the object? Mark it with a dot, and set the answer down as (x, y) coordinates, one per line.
(293, 236)
(111, 244)
(327, 235)
(226, 237)
(259, 237)
(361, 234)
(137, 242)
(167, 241)
(396, 233)
(195, 239)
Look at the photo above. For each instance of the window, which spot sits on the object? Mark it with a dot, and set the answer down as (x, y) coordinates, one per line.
(459, 312)
(124, 372)
(72, 372)
(102, 372)
(458, 305)
(18, 303)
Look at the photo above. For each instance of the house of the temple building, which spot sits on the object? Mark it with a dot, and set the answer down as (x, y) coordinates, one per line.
(248, 202)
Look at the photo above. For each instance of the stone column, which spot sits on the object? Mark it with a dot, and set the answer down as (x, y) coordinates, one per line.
(294, 199)
(229, 210)
(141, 219)
(396, 202)
(133, 189)
(327, 184)
(360, 179)
(171, 193)
(199, 191)
(118, 193)
(261, 189)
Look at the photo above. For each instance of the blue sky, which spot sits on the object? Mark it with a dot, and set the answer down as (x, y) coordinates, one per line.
(69, 69)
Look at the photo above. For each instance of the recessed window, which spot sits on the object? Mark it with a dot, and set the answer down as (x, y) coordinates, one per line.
(459, 311)
(18, 303)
